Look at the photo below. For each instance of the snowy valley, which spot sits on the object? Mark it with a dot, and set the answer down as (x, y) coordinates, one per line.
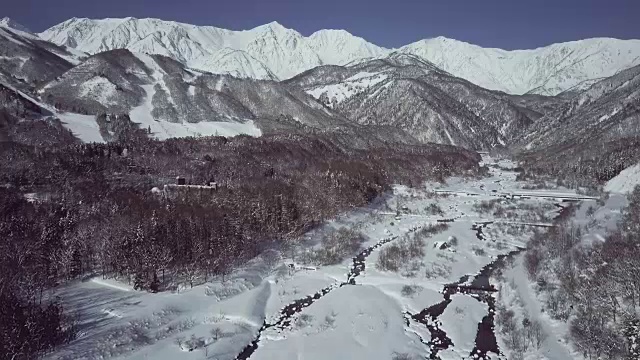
(278, 306)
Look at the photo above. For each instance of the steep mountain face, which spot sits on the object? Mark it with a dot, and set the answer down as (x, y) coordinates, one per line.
(338, 47)
(108, 82)
(405, 91)
(17, 105)
(281, 52)
(236, 63)
(596, 132)
(26, 60)
(608, 109)
(274, 52)
(548, 71)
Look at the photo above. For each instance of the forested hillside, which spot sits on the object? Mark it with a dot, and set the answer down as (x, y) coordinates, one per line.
(72, 211)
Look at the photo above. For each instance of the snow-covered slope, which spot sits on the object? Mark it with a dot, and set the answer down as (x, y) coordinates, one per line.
(404, 91)
(626, 181)
(340, 47)
(170, 100)
(273, 49)
(608, 109)
(237, 63)
(280, 51)
(26, 60)
(595, 134)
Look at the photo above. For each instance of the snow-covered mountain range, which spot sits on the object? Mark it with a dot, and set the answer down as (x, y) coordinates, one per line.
(262, 52)
(272, 51)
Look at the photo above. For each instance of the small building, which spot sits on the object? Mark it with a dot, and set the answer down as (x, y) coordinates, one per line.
(180, 180)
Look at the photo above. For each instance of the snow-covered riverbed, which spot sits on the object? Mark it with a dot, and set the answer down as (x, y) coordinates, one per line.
(268, 310)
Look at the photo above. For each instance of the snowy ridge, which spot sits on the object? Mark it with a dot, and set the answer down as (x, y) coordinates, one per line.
(603, 109)
(273, 50)
(548, 70)
(236, 63)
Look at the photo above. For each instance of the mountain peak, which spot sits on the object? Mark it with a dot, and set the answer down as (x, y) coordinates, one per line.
(273, 26)
(10, 23)
(331, 31)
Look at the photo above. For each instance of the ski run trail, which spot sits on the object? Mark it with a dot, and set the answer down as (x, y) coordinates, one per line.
(440, 306)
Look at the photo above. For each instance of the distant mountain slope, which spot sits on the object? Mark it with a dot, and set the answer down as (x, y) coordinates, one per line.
(16, 104)
(272, 49)
(285, 52)
(120, 81)
(161, 94)
(405, 91)
(608, 108)
(26, 60)
(237, 63)
(548, 70)
(595, 134)
(168, 99)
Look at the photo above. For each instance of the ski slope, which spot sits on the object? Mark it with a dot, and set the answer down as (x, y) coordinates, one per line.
(624, 182)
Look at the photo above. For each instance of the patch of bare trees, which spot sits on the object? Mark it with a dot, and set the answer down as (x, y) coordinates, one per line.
(594, 286)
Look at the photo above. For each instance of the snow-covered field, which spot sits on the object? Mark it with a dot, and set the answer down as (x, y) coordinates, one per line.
(269, 310)
(626, 181)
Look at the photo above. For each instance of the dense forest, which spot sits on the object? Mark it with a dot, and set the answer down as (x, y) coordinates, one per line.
(71, 210)
(594, 286)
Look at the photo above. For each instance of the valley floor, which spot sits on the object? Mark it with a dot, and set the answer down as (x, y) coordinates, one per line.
(442, 306)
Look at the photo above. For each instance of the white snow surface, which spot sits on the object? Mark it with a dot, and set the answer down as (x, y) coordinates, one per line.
(272, 49)
(348, 88)
(458, 321)
(281, 51)
(358, 322)
(624, 182)
(522, 295)
(84, 127)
